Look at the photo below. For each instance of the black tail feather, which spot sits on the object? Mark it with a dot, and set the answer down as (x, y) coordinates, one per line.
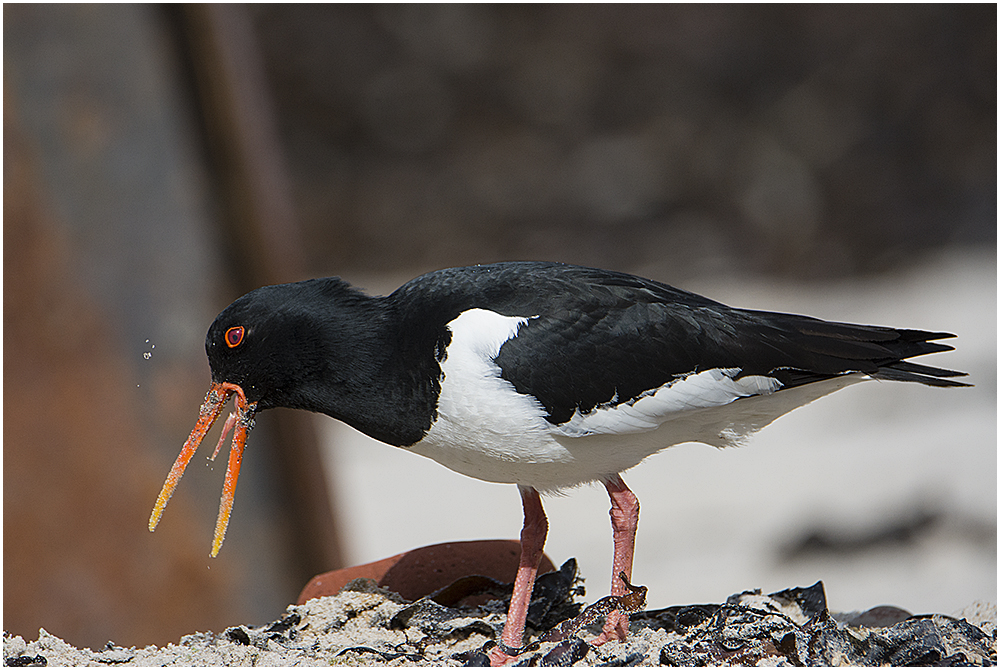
(918, 343)
(930, 377)
(826, 349)
(916, 368)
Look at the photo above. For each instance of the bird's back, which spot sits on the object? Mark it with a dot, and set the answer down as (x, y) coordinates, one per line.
(595, 337)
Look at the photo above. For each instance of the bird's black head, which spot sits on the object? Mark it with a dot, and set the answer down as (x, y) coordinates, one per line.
(279, 344)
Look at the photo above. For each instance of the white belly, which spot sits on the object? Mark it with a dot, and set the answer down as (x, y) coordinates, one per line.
(485, 429)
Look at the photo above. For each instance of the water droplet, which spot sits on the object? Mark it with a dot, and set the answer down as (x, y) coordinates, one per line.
(147, 355)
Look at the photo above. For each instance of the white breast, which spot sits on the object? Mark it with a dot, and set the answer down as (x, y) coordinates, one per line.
(487, 430)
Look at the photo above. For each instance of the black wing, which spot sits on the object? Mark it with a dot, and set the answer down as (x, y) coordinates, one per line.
(597, 336)
(601, 337)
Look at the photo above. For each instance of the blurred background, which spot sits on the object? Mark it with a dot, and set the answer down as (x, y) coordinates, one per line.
(161, 161)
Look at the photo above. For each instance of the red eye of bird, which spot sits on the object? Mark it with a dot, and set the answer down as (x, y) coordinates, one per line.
(234, 336)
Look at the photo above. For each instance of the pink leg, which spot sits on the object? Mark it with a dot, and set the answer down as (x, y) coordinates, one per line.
(536, 527)
(624, 521)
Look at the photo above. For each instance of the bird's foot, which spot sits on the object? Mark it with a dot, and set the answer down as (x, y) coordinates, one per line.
(499, 658)
(615, 628)
(502, 654)
(617, 608)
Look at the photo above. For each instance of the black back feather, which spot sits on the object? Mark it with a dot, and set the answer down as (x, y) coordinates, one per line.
(596, 336)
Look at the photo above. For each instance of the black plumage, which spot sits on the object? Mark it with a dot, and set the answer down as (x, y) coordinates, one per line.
(600, 336)
(539, 374)
(593, 338)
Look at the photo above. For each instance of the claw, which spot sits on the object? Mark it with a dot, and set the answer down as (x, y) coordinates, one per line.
(228, 426)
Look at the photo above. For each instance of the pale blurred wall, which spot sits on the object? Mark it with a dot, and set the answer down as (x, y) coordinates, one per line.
(676, 141)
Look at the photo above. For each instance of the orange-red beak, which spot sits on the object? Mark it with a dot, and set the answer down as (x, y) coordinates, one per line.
(240, 422)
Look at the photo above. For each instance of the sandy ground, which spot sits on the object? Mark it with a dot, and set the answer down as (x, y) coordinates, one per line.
(863, 462)
(365, 625)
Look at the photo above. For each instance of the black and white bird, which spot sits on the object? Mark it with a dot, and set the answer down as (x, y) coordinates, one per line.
(542, 375)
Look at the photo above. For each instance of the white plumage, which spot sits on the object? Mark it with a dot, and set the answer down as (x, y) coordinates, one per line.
(487, 430)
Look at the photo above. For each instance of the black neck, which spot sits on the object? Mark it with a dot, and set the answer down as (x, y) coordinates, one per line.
(382, 374)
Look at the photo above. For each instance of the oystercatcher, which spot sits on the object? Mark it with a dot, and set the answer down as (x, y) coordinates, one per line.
(538, 374)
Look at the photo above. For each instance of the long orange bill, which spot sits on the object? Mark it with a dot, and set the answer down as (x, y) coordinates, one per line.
(240, 423)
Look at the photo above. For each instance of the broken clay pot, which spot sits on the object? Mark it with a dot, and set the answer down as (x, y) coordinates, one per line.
(420, 572)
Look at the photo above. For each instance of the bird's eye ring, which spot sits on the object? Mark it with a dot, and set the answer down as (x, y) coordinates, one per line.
(234, 336)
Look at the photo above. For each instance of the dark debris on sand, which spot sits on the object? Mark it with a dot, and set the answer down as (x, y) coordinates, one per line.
(366, 625)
